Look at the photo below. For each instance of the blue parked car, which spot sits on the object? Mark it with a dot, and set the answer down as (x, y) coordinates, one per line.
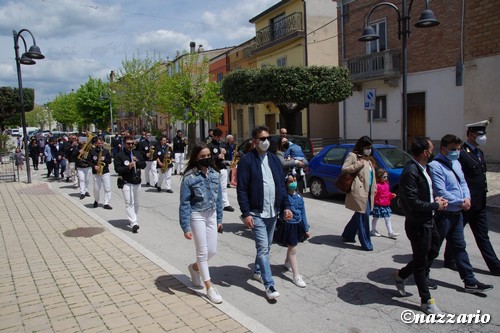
(325, 167)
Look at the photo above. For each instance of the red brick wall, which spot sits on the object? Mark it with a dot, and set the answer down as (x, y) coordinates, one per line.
(482, 29)
(428, 49)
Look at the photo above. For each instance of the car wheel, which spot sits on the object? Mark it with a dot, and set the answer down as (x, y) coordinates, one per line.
(318, 189)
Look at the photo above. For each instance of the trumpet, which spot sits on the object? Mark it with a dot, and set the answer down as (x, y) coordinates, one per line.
(86, 147)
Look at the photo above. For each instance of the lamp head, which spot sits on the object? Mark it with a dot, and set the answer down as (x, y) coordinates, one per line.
(368, 34)
(427, 19)
(35, 53)
(26, 60)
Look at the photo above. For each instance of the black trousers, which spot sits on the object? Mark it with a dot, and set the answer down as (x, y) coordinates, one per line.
(425, 243)
(479, 227)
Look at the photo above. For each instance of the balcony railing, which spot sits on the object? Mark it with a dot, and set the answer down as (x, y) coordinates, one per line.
(380, 65)
(278, 29)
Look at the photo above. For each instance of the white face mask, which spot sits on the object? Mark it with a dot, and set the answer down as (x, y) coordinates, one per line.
(481, 140)
(367, 152)
(264, 145)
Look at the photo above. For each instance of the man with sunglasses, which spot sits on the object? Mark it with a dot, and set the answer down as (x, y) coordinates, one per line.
(262, 196)
(448, 181)
(128, 164)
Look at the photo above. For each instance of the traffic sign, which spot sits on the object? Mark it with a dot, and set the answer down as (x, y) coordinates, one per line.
(370, 96)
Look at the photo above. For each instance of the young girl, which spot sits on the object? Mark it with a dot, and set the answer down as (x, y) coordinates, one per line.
(293, 231)
(382, 205)
(200, 214)
(19, 159)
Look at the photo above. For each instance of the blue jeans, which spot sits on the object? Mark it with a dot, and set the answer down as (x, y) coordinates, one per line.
(263, 230)
(360, 224)
(451, 227)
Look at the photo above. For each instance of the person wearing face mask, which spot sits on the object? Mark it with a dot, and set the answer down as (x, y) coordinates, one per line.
(200, 214)
(474, 169)
(262, 196)
(448, 181)
(293, 231)
(360, 162)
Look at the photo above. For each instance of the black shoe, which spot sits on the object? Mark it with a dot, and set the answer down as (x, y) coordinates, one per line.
(87, 194)
(158, 189)
(431, 284)
(175, 172)
(135, 228)
(82, 196)
(148, 185)
(495, 272)
(170, 191)
(451, 265)
(67, 179)
(348, 240)
(107, 207)
(478, 287)
(228, 185)
(95, 204)
(229, 209)
(156, 184)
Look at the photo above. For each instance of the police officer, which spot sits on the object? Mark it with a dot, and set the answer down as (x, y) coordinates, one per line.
(218, 155)
(474, 168)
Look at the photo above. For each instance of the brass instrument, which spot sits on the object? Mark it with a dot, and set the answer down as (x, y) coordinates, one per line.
(166, 161)
(236, 156)
(100, 164)
(151, 152)
(86, 147)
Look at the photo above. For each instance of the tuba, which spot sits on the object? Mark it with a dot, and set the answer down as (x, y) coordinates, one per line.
(100, 164)
(86, 147)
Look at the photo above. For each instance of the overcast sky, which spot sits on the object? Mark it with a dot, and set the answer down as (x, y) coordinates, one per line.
(82, 38)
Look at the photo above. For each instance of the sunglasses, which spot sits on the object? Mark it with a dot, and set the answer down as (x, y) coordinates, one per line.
(129, 143)
(264, 138)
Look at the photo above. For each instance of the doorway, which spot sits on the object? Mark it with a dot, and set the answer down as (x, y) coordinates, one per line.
(416, 117)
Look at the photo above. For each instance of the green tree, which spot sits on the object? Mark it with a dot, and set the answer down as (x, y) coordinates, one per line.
(291, 89)
(39, 117)
(137, 86)
(10, 105)
(64, 110)
(189, 95)
(90, 104)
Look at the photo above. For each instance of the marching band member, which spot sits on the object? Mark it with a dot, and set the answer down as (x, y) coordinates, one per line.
(99, 160)
(147, 152)
(164, 165)
(179, 145)
(128, 164)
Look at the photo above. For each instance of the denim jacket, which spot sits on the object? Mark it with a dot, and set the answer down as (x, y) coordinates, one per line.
(298, 209)
(199, 193)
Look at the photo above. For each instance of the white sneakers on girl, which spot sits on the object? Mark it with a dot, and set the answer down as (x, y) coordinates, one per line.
(195, 276)
(214, 296)
(298, 281)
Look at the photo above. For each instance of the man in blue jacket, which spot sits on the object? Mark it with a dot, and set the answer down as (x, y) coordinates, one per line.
(262, 196)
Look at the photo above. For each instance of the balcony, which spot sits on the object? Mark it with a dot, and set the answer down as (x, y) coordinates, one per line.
(288, 28)
(383, 65)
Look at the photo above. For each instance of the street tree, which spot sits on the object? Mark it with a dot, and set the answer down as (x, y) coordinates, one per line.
(63, 109)
(187, 93)
(137, 86)
(90, 104)
(39, 117)
(291, 88)
(10, 106)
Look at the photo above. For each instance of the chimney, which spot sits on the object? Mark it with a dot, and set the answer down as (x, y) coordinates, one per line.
(200, 48)
(192, 46)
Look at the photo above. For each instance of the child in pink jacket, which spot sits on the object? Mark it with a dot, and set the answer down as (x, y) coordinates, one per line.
(382, 206)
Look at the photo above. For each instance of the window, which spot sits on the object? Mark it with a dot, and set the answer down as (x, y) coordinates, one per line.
(219, 77)
(380, 112)
(380, 44)
(281, 62)
(335, 156)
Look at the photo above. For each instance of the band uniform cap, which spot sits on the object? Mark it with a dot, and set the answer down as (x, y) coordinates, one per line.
(479, 127)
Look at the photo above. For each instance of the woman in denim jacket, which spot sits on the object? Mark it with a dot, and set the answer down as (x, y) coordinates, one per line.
(200, 214)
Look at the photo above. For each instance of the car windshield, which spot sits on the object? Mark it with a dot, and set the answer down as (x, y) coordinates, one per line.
(394, 157)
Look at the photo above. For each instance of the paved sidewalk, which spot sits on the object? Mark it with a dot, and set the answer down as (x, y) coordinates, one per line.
(62, 271)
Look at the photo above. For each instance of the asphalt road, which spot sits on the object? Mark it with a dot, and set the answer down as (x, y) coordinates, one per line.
(348, 290)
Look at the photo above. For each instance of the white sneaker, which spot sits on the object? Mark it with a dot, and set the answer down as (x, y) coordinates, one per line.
(272, 293)
(393, 234)
(195, 276)
(258, 277)
(287, 266)
(374, 233)
(214, 296)
(430, 307)
(299, 282)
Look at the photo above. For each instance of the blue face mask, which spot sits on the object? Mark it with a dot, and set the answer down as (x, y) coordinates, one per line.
(292, 186)
(453, 155)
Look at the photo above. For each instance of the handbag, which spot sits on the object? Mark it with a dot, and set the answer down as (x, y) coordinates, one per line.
(344, 182)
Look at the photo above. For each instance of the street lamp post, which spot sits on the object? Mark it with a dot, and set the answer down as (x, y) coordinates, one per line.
(26, 59)
(426, 20)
